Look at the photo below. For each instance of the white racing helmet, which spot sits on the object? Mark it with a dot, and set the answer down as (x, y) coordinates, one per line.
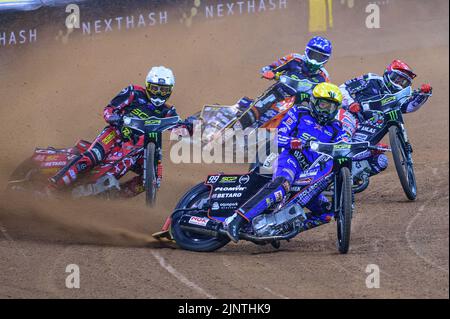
(159, 85)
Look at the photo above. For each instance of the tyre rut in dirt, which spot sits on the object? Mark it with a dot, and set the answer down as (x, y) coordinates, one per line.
(404, 167)
(190, 241)
(344, 220)
(150, 176)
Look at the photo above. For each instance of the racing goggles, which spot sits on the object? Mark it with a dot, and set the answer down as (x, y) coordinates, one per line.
(326, 106)
(316, 56)
(162, 90)
(400, 79)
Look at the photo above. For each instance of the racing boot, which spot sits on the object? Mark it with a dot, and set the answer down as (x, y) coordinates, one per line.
(378, 163)
(234, 225)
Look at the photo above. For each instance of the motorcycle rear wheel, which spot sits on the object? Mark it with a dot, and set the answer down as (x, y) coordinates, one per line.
(191, 241)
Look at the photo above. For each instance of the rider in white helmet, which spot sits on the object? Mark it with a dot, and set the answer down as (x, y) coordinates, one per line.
(139, 101)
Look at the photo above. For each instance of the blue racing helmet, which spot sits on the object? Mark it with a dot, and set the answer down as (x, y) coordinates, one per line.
(318, 52)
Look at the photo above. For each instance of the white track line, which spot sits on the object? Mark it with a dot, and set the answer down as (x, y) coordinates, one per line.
(5, 233)
(415, 250)
(275, 294)
(407, 232)
(9, 238)
(179, 276)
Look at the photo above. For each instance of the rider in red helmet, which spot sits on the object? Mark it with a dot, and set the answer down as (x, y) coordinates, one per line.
(397, 77)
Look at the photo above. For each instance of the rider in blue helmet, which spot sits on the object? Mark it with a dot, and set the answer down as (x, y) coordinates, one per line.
(317, 53)
(308, 66)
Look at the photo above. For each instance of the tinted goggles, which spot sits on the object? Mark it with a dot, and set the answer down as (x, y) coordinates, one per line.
(163, 90)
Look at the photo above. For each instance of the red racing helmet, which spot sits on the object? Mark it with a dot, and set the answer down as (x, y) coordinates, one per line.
(398, 76)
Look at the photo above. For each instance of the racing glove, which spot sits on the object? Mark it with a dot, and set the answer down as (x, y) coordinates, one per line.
(115, 120)
(268, 75)
(354, 108)
(426, 89)
(296, 144)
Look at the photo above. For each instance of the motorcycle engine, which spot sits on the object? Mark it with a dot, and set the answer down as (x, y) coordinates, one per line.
(280, 222)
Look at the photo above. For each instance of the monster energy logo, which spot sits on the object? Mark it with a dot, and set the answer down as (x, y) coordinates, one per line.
(153, 135)
(304, 97)
(393, 115)
(342, 160)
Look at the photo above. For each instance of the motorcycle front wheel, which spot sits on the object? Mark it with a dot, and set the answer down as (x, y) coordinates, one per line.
(150, 176)
(403, 163)
(345, 209)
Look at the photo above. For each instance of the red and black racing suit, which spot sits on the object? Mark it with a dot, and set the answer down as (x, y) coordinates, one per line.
(132, 99)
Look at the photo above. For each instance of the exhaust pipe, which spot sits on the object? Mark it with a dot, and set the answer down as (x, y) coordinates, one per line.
(200, 225)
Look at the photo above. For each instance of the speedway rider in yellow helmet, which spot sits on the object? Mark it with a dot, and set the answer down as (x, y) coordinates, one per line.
(301, 124)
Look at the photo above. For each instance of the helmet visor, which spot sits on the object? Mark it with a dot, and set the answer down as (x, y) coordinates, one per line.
(155, 89)
(400, 79)
(317, 56)
(326, 106)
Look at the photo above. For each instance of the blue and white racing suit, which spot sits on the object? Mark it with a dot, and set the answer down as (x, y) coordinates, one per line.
(297, 124)
(368, 87)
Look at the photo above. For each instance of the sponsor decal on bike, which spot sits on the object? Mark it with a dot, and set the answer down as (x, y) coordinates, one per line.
(228, 179)
(238, 188)
(393, 115)
(342, 146)
(229, 205)
(53, 164)
(368, 129)
(201, 221)
(244, 179)
(153, 122)
(213, 179)
(361, 137)
(141, 114)
(229, 195)
(388, 100)
(215, 206)
(109, 138)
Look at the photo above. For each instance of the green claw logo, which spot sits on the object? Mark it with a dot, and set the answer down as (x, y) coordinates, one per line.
(393, 115)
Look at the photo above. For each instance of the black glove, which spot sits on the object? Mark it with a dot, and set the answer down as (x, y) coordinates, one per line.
(115, 120)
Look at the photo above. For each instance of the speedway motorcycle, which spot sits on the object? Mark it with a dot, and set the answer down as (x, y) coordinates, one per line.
(215, 121)
(383, 116)
(197, 223)
(141, 155)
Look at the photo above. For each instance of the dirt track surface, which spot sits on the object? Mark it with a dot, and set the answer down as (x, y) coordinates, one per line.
(59, 99)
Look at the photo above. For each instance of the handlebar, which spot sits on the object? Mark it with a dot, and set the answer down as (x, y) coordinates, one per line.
(379, 148)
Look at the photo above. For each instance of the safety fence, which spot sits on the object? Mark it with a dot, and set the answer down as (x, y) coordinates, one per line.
(46, 19)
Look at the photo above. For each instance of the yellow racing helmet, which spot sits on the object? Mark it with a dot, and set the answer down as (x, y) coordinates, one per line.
(326, 100)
